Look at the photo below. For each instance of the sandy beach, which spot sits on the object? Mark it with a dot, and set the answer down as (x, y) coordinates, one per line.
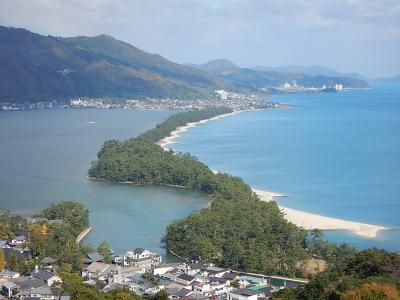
(300, 218)
(179, 130)
(313, 221)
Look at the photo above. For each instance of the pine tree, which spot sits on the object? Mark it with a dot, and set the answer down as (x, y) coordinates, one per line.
(105, 250)
(12, 261)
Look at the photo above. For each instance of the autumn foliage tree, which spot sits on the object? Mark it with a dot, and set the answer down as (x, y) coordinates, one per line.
(2, 260)
(373, 291)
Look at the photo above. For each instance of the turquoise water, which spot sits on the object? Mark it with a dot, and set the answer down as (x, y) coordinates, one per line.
(332, 154)
(44, 158)
(336, 155)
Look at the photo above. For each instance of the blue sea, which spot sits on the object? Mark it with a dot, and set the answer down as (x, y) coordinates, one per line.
(333, 154)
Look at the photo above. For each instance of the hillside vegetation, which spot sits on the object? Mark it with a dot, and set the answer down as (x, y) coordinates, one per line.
(37, 68)
(237, 231)
(241, 232)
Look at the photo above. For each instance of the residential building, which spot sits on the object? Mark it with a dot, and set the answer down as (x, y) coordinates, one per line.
(48, 277)
(242, 294)
(185, 279)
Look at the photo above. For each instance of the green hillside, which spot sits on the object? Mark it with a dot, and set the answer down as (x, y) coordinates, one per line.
(36, 68)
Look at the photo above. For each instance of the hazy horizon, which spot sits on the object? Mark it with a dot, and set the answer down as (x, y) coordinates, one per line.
(345, 35)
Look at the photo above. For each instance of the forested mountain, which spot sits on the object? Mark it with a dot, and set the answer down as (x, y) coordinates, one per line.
(36, 68)
(266, 77)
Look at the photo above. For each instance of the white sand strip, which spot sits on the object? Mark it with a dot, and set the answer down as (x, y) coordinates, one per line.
(266, 195)
(306, 220)
(313, 221)
(179, 130)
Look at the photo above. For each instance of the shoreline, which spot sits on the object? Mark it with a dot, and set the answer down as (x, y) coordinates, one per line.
(83, 234)
(302, 219)
(311, 221)
(164, 142)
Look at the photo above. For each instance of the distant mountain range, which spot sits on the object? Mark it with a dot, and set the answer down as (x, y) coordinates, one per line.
(261, 77)
(391, 80)
(312, 71)
(36, 68)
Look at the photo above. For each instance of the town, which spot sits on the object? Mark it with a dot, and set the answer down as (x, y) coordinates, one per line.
(220, 98)
(236, 101)
(140, 271)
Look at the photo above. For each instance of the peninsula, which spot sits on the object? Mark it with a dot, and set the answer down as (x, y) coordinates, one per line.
(308, 221)
(240, 228)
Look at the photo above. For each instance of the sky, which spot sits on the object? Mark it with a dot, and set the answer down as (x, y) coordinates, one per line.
(348, 35)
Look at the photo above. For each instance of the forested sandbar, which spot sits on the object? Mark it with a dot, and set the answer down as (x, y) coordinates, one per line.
(302, 219)
(179, 130)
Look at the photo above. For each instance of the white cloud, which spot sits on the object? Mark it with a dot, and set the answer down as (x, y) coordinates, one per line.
(251, 32)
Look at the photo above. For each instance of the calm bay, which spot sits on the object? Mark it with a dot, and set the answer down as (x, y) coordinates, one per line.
(44, 158)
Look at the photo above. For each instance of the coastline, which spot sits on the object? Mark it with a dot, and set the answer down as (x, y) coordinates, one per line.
(83, 234)
(311, 221)
(302, 219)
(179, 130)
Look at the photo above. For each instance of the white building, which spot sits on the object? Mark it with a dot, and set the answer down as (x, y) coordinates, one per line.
(338, 87)
(242, 294)
(223, 94)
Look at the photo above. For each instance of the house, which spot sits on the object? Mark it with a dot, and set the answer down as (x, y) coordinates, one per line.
(219, 285)
(9, 289)
(64, 296)
(194, 268)
(140, 253)
(93, 257)
(142, 286)
(195, 296)
(48, 277)
(265, 292)
(183, 293)
(42, 293)
(18, 240)
(48, 262)
(215, 271)
(242, 294)
(120, 274)
(8, 274)
(231, 276)
(185, 279)
(17, 287)
(201, 287)
(164, 268)
(141, 258)
(4, 244)
(110, 274)
(96, 271)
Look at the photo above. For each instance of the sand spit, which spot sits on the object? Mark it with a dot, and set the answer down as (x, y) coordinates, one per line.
(303, 219)
(313, 221)
(179, 130)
